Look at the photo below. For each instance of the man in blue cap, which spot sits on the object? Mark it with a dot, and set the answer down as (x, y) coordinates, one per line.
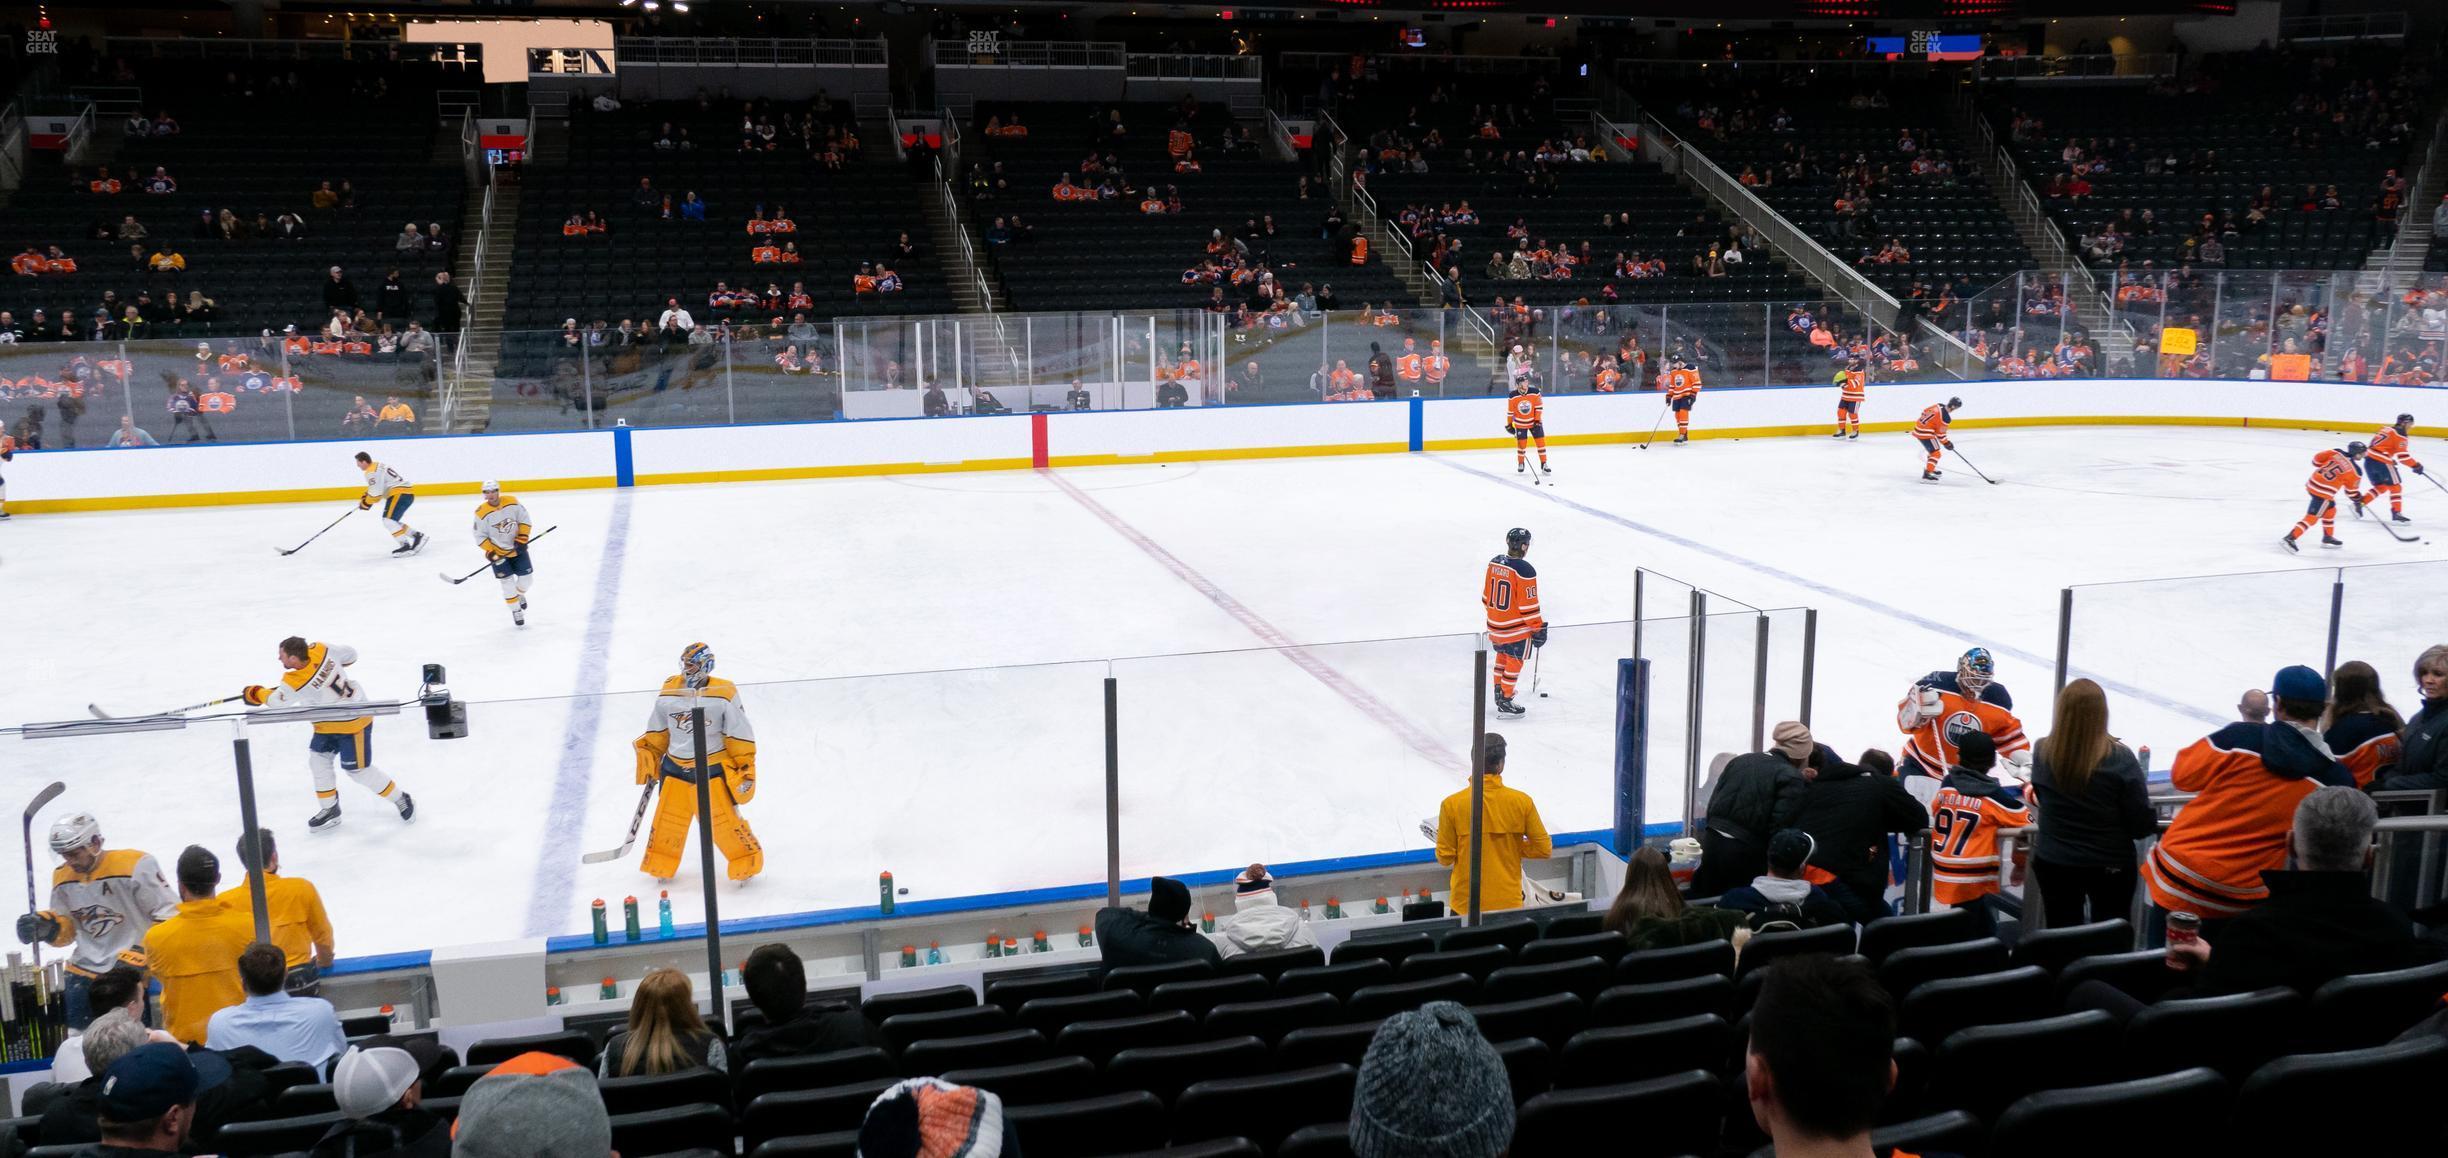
(2247, 780)
(149, 1099)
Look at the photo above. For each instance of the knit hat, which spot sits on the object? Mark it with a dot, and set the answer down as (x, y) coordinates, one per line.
(535, 1105)
(1976, 751)
(1794, 740)
(2297, 682)
(365, 1082)
(932, 1118)
(1168, 899)
(1431, 1087)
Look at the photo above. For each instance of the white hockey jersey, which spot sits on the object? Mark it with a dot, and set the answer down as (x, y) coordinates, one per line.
(324, 681)
(383, 479)
(725, 718)
(108, 911)
(503, 524)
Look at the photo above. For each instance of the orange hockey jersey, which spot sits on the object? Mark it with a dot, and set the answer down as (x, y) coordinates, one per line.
(1933, 422)
(2248, 779)
(1929, 738)
(1684, 383)
(1511, 597)
(2390, 447)
(1964, 824)
(2332, 472)
(1525, 410)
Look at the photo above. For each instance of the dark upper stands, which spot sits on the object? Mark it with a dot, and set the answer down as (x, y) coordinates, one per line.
(845, 217)
(1096, 255)
(2299, 124)
(254, 149)
(1805, 148)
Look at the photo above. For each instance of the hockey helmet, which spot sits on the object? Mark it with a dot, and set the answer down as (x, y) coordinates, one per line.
(1974, 671)
(2355, 449)
(74, 831)
(696, 663)
(2403, 421)
(1517, 539)
(489, 486)
(1955, 404)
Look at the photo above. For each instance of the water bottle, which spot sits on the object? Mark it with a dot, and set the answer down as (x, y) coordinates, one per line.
(1087, 937)
(884, 893)
(1334, 909)
(663, 913)
(2145, 755)
(1011, 946)
(934, 953)
(1380, 907)
(1037, 942)
(603, 935)
(610, 990)
(629, 918)
(552, 995)
(909, 956)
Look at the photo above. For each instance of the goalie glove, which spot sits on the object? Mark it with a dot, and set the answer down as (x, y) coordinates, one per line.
(1923, 706)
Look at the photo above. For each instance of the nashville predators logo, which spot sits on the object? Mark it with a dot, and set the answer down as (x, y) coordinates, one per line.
(683, 722)
(98, 921)
(1957, 725)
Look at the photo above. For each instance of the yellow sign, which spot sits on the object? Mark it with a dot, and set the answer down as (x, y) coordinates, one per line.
(2179, 340)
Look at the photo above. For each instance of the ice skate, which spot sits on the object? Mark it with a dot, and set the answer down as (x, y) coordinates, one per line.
(326, 820)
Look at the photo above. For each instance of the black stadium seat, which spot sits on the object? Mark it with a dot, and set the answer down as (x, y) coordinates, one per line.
(2167, 1114)
(1271, 963)
(941, 997)
(1014, 992)
(1631, 1053)
(1765, 949)
(1511, 934)
(1266, 1108)
(2054, 949)
(1677, 1114)
(818, 1111)
(901, 1029)
(1009, 1047)
(2232, 1034)
(1935, 1009)
(666, 1131)
(1582, 977)
(662, 1091)
(1704, 959)
(274, 1135)
(1913, 930)
(1341, 979)
(2389, 1088)
(1986, 1067)
(1197, 997)
(1662, 1000)
(1320, 1045)
(575, 1046)
(1143, 979)
(1393, 949)
(1607, 947)
(1477, 963)
(1167, 1070)
(1377, 1001)
(1553, 1018)
(1052, 1079)
(1270, 1020)
(1099, 1040)
(2365, 1009)
(1048, 1015)
(1087, 1127)
(814, 1071)
(1905, 968)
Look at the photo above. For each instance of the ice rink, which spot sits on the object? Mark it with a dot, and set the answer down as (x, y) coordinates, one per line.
(923, 656)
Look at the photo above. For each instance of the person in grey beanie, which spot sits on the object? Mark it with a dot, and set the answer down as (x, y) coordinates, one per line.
(1431, 1087)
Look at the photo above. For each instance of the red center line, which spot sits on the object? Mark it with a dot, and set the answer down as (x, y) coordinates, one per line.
(1411, 734)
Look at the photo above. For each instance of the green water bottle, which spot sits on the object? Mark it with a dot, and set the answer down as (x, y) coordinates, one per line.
(663, 914)
(1207, 922)
(1011, 946)
(552, 995)
(884, 893)
(1380, 906)
(1087, 937)
(1037, 942)
(1334, 909)
(994, 945)
(603, 936)
(610, 990)
(629, 918)
(909, 956)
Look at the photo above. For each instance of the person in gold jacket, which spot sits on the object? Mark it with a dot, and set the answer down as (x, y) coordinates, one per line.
(668, 749)
(195, 952)
(1512, 832)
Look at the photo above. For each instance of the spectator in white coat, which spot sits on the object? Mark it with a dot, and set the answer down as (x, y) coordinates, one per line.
(1258, 921)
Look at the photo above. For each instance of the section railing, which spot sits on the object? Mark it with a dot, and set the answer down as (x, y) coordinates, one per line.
(2344, 26)
(970, 270)
(457, 105)
(757, 51)
(999, 53)
(111, 101)
(79, 137)
(1193, 66)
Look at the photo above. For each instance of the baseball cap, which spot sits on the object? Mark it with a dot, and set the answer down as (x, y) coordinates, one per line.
(2297, 682)
(1789, 850)
(535, 1105)
(370, 1078)
(149, 1080)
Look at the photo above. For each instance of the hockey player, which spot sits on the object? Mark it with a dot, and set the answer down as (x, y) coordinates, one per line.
(2333, 472)
(1525, 419)
(502, 530)
(316, 675)
(1942, 708)
(668, 749)
(103, 901)
(1682, 391)
(388, 487)
(1932, 431)
(1852, 387)
(8, 453)
(2389, 458)
(1968, 810)
(1514, 624)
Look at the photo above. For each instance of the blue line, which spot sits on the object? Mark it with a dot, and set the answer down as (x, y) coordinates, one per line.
(624, 465)
(1923, 622)
(556, 873)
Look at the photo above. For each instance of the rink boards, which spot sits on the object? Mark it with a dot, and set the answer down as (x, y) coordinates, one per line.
(214, 475)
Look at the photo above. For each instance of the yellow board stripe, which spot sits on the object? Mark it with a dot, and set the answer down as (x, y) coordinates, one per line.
(1219, 454)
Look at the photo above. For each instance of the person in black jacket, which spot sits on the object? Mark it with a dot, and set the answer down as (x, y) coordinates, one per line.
(1163, 933)
(1757, 794)
(1780, 894)
(777, 985)
(2094, 804)
(2422, 760)
(1849, 809)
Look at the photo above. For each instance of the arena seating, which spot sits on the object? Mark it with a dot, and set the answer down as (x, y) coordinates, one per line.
(1805, 145)
(2002, 1074)
(1108, 255)
(259, 154)
(2237, 124)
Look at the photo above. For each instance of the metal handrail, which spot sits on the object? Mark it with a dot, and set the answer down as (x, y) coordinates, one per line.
(2006, 172)
(1192, 66)
(2347, 26)
(2414, 227)
(758, 51)
(80, 131)
(1031, 54)
(960, 234)
(462, 101)
(1788, 239)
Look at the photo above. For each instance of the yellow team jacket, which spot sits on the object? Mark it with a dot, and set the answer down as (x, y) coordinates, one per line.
(299, 924)
(195, 954)
(1514, 832)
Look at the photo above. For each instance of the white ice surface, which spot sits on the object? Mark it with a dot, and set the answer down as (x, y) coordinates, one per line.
(1009, 591)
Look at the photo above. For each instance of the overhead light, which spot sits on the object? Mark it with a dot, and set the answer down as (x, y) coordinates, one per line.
(682, 6)
(629, 3)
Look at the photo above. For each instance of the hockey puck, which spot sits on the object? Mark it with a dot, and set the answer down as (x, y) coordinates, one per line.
(905, 890)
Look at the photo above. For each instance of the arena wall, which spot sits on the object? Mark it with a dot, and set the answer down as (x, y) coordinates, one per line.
(208, 475)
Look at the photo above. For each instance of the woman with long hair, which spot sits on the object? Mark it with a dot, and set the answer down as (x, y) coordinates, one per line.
(2361, 727)
(2094, 803)
(665, 1034)
(2423, 762)
(1650, 913)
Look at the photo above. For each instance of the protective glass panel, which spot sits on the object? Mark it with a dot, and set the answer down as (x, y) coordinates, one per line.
(68, 396)
(682, 385)
(2167, 687)
(784, 374)
(2392, 612)
(354, 386)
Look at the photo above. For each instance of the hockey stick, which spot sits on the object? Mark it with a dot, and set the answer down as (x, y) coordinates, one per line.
(487, 567)
(2434, 482)
(49, 793)
(1536, 650)
(635, 822)
(99, 714)
(319, 534)
(2390, 526)
(1658, 425)
(1984, 475)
